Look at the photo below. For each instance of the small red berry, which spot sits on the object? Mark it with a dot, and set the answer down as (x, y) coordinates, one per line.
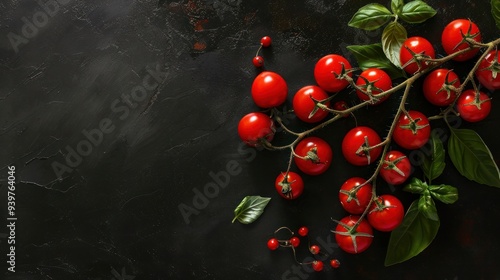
(265, 41)
(295, 241)
(317, 265)
(273, 244)
(341, 106)
(314, 249)
(258, 61)
(335, 263)
(303, 231)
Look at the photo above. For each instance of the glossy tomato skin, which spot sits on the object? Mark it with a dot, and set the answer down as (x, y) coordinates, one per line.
(355, 202)
(488, 73)
(452, 38)
(473, 110)
(289, 186)
(412, 131)
(386, 213)
(303, 105)
(318, 148)
(256, 126)
(438, 87)
(379, 81)
(419, 46)
(353, 142)
(269, 90)
(396, 168)
(325, 70)
(345, 242)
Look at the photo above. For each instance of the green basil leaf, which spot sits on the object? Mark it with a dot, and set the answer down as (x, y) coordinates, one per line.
(433, 164)
(416, 12)
(495, 11)
(444, 193)
(472, 158)
(393, 37)
(415, 233)
(416, 186)
(397, 6)
(370, 17)
(250, 208)
(427, 207)
(372, 56)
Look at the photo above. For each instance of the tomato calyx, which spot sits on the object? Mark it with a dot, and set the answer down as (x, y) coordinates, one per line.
(351, 232)
(448, 86)
(353, 193)
(477, 100)
(364, 150)
(413, 124)
(380, 206)
(368, 88)
(494, 67)
(392, 165)
(344, 73)
(468, 37)
(319, 104)
(418, 58)
(286, 187)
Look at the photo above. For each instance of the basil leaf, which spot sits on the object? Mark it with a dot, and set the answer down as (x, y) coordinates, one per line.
(250, 208)
(472, 158)
(415, 233)
(495, 11)
(397, 6)
(370, 17)
(427, 207)
(416, 186)
(393, 37)
(416, 12)
(433, 164)
(372, 56)
(444, 193)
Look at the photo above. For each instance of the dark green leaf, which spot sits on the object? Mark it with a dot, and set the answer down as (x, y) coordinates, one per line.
(397, 6)
(416, 186)
(495, 11)
(250, 208)
(427, 207)
(433, 163)
(414, 234)
(444, 193)
(372, 56)
(472, 158)
(393, 38)
(370, 17)
(416, 12)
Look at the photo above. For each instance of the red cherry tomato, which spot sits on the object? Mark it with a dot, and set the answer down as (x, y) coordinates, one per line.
(328, 68)
(290, 186)
(254, 127)
(440, 87)
(315, 155)
(412, 131)
(345, 235)
(303, 105)
(341, 106)
(386, 213)
(419, 47)
(269, 90)
(374, 81)
(488, 73)
(396, 168)
(472, 106)
(265, 41)
(454, 35)
(353, 198)
(356, 143)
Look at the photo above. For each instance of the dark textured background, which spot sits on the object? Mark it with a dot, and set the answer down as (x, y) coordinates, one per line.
(116, 214)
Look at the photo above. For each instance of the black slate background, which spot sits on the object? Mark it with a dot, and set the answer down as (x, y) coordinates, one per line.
(116, 214)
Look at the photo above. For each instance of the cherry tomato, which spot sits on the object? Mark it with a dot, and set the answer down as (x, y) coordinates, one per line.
(473, 106)
(269, 90)
(488, 73)
(317, 265)
(273, 244)
(328, 68)
(290, 186)
(253, 128)
(374, 81)
(413, 50)
(353, 241)
(353, 198)
(440, 87)
(315, 155)
(396, 168)
(266, 41)
(454, 37)
(303, 105)
(412, 131)
(386, 213)
(341, 106)
(258, 61)
(356, 143)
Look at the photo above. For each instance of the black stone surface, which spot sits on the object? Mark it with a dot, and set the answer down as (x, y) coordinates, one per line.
(116, 113)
